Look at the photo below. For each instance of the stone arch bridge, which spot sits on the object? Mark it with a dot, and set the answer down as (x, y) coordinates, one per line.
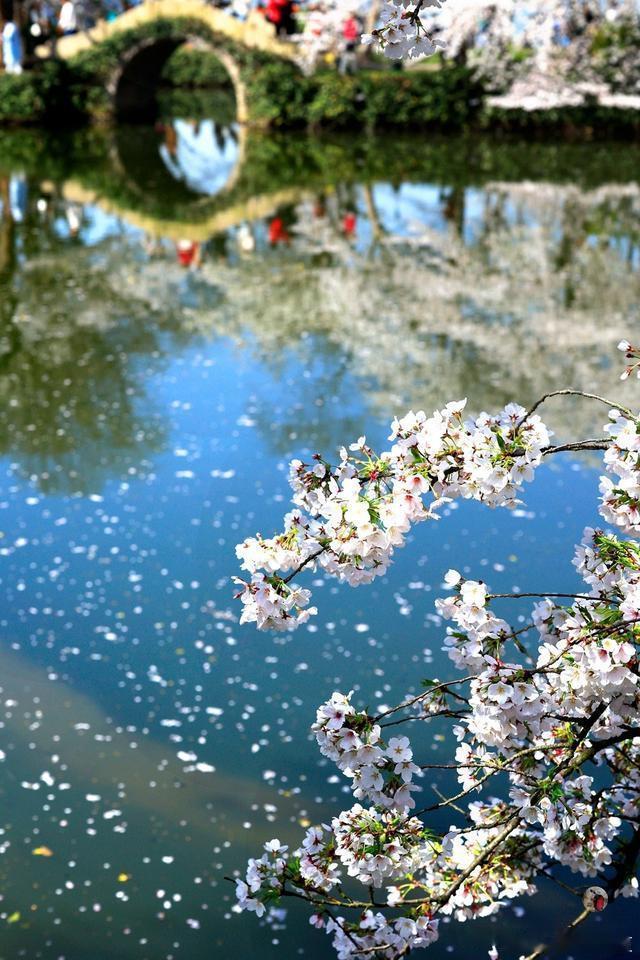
(139, 42)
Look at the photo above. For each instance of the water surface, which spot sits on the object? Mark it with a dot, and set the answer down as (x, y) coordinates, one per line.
(182, 309)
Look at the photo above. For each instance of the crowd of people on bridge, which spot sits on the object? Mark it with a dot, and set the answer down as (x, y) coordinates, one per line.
(323, 28)
(25, 24)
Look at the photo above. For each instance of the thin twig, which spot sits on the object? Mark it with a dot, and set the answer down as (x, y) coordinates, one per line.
(301, 566)
(600, 444)
(543, 947)
(421, 696)
(575, 393)
(515, 596)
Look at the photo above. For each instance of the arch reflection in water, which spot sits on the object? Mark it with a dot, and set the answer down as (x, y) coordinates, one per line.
(206, 156)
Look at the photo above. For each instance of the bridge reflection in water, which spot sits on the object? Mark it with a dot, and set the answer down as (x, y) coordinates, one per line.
(196, 169)
(192, 228)
(200, 178)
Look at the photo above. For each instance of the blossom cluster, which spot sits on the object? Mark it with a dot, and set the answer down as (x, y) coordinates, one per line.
(525, 720)
(319, 868)
(376, 935)
(401, 32)
(490, 885)
(272, 605)
(351, 517)
(378, 846)
(263, 874)
(632, 356)
(485, 458)
(480, 632)
(621, 497)
(381, 772)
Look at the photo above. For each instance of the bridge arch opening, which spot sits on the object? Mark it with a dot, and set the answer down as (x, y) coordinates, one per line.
(134, 87)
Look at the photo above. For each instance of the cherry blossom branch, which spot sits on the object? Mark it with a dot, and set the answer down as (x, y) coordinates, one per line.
(505, 766)
(451, 714)
(589, 444)
(415, 13)
(537, 723)
(543, 596)
(575, 393)
(436, 687)
(301, 566)
(512, 823)
(319, 899)
(595, 444)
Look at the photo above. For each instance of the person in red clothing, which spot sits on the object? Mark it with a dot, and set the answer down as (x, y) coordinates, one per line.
(351, 30)
(273, 13)
(349, 223)
(278, 232)
(350, 36)
(188, 254)
(280, 14)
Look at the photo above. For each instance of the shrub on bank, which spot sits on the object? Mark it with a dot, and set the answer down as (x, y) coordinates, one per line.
(278, 95)
(20, 99)
(447, 98)
(33, 97)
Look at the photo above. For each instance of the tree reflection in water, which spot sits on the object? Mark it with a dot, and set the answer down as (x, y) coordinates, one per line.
(398, 285)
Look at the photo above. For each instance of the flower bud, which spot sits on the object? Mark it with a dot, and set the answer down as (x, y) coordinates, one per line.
(595, 899)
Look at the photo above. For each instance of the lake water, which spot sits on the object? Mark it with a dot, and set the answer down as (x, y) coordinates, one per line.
(182, 310)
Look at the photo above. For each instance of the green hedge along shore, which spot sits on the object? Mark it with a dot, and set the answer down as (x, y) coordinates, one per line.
(446, 98)
(279, 95)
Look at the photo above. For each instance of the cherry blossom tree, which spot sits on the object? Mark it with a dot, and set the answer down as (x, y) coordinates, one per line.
(539, 26)
(547, 760)
(540, 55)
